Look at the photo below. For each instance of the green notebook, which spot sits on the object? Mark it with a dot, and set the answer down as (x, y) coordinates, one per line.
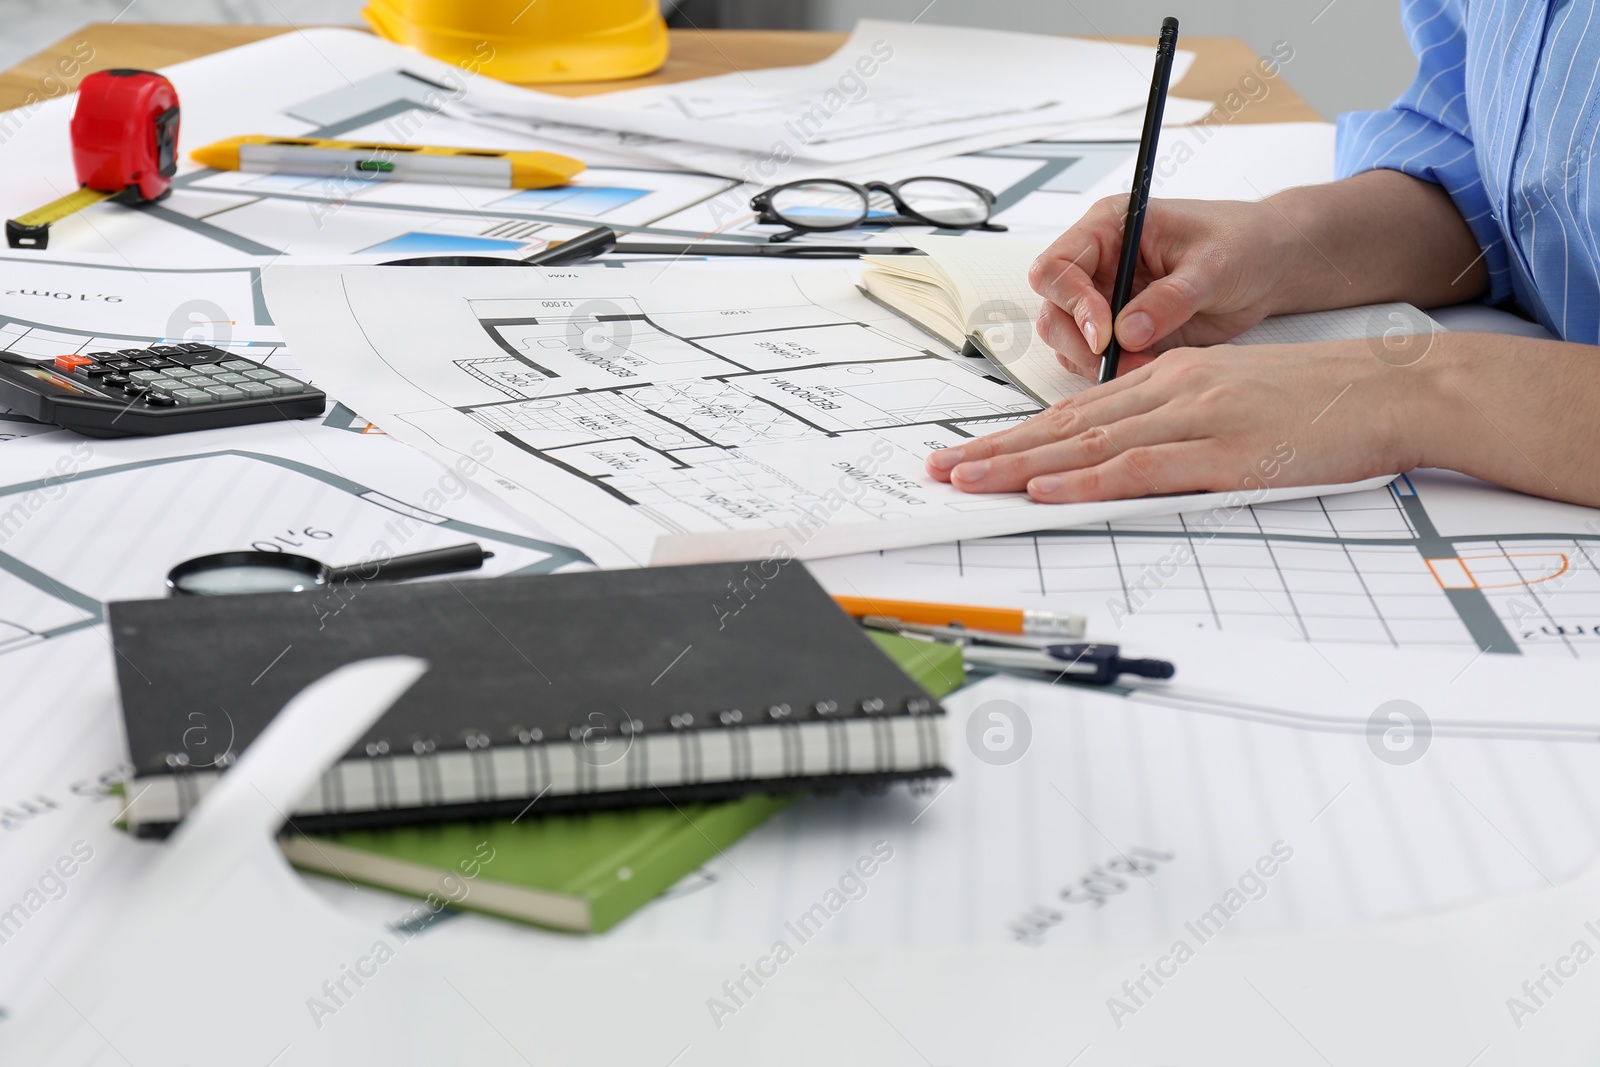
(936, 667)
(583, 871)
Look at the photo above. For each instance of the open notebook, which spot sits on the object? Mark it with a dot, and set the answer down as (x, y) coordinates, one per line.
(973, 294)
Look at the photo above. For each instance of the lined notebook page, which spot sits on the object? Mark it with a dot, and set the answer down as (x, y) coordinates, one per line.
(1030, 363)
(915, 287)
(990, 279)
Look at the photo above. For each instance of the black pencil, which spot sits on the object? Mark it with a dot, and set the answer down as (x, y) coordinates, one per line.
(1139, 197)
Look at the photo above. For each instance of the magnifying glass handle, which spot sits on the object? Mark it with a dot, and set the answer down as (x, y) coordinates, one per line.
(468, 557)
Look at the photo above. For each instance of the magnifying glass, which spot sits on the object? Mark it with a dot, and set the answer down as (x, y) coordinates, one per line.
(228, 573)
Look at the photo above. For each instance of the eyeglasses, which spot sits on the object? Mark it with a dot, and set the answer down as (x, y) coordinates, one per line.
(831, 204)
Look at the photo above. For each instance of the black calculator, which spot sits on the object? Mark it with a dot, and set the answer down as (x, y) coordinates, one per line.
(156, 390)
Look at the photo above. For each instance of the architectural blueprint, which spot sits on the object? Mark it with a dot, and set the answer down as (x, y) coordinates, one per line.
(891, 88)
(1122, 130)
(1432, 561)
(302, 486)
(677, 414)
(1114, 816)
(354, 85)
(50, 306)
(86, 522)
(904, 961)
(348, 85)
(285, 488)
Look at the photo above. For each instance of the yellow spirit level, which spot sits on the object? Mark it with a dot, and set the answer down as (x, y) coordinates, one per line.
(381, 161)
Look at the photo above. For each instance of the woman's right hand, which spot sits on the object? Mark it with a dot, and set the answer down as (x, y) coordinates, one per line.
(1206, 272)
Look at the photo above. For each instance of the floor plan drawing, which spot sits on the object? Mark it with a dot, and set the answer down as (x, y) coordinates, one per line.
(673, 414)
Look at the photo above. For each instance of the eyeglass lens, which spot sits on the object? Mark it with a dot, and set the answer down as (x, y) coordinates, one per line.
(945, 202)
(819, 205)
(833, 205)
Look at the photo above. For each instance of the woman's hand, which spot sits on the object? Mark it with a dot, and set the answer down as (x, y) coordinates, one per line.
(1205, 274)
(1210, 269)
(1208, 419)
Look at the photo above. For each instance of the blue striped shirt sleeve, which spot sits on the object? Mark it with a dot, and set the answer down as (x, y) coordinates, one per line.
(1427, 133)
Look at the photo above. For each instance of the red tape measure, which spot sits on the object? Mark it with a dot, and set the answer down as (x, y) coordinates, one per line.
(124, 148)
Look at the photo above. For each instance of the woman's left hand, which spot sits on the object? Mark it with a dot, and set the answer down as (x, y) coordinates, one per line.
(1211, 419)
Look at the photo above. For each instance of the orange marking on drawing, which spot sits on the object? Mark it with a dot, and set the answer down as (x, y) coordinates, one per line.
(1562, 556)
(1451, 583)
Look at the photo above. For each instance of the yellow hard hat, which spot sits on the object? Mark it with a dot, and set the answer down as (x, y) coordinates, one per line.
(530, 40)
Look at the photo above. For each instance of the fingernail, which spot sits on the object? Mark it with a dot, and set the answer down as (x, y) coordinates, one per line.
(974, 471)
(1092, 336)
(945, 458)
(1044, 485)
(1137, 329)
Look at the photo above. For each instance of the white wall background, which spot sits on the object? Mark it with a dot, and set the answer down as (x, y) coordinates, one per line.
(1349, 54)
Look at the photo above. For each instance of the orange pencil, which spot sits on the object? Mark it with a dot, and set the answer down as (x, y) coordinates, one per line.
(995, 620)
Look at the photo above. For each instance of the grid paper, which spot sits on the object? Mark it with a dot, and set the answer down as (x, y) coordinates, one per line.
(1342, 324)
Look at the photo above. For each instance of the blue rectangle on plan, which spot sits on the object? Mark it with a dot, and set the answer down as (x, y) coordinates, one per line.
(591, 201)
(436, 243)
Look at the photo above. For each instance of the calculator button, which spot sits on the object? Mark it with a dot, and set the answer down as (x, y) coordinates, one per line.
(262, 374)
(184, 372)
(191, 396)
(195, 346)
(93, 371)
(284, 386)
(116, 379)
(238, 365)
(168, 382)
(165, 350)
(254, 390)
(130, 353)
(156, 362)
(190, 359)
(209, 369)
(72, 363)
(229, 378)
(157, 399)
(145, 375)
(102, 355)
(136, 388)
(223, 392)
(122, 364)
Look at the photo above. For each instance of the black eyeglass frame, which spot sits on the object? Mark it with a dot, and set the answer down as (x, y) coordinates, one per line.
(762, 204)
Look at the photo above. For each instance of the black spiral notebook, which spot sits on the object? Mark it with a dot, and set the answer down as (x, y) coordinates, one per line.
(581, 690)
